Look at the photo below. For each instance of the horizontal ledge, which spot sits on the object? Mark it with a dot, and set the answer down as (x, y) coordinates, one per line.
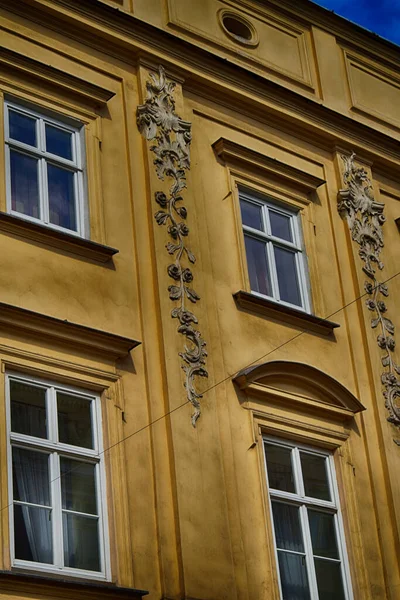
(280, 312)
(88, 339)
(66, 588)
(231, 152)
(58, 239)
(44, 73)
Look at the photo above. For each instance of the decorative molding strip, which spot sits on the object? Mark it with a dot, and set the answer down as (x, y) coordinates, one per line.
(231, 152)
(40, 326)
(365, 219)
(46, 74)
(284, 314)
(67, 242)
(157, 121)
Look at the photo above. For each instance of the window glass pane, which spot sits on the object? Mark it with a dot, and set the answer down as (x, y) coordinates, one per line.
(28, 409)
(32, 534)
(323, 534)
(315, 476)
(287, 527)
(251, 214)
(58, 141)
(279, 466)
(24, 184)
(294, 580)
(258, 267)
(329, 580)
(280, 225)
(74, 420)
(22, 128)
(78, 486)
(81, 542)
(61, 197)
(31, 476)
(287, 276)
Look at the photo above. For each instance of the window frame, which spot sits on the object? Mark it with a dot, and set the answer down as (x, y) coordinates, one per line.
(304, 502)
(76, 165)
(55, 450)
(266, 202)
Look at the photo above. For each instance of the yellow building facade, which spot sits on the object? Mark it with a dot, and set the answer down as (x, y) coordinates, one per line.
(199, 232)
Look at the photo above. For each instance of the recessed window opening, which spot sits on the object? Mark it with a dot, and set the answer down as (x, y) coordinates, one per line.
(307, 526)
(45, 169)
(56, 478)
(276, 260)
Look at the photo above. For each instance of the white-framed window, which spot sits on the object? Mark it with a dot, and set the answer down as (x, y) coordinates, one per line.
(44, 166)
(58, 518)
(307, 525)
(276, 259)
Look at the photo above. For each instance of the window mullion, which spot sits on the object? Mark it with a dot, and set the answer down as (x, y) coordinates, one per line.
(44, 192)
(8, 178)
(78, 207)
(99, 493)
(52, 414)
(303, 283)
(298, 473)
(272, 268)
(265, 220)
(57, 512)
(309, 553)
(55, 479)
(339, 530)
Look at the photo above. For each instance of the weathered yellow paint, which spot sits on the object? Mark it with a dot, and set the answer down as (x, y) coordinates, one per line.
(188, 510)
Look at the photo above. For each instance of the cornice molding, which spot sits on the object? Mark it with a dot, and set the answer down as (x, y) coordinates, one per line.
(331, 437)
(61, 240)
(47, 75)
(232, 153)
(19, 320)
(274, 105)
(210, 76)
(303, 11)
(308, 405)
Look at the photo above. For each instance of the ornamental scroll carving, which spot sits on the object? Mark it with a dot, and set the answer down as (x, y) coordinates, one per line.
(158, 122)
(365, 219)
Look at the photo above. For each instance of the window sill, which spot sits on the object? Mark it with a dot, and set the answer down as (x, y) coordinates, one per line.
(57, 239)
(41, 585)
(283, 313)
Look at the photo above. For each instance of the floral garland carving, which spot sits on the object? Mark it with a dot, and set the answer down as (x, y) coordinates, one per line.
(157, 121)
(365, 219)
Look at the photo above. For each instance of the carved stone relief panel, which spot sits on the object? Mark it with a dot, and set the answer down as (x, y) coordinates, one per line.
(171, 136)
(365, 218)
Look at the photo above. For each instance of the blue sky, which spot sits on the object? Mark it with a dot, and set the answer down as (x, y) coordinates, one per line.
(380, 16)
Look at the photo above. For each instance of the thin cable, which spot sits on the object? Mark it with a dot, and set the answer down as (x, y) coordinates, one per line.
(229, 377)
(299, 334)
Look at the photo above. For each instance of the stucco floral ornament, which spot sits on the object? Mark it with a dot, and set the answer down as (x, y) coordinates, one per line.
(365, 219)
(158, 122)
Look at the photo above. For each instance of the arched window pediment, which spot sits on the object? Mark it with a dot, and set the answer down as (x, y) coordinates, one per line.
(296, 383)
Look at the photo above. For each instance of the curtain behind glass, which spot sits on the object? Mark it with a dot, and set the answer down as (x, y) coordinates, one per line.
(31, 485)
